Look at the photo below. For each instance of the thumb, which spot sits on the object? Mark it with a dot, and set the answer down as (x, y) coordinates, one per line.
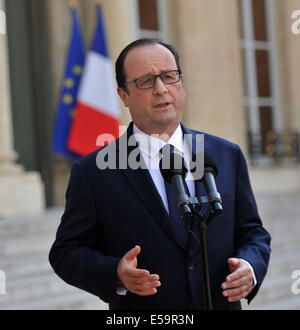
(233, 263)
(132, 254)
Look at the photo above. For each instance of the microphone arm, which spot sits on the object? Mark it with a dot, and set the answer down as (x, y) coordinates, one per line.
(174, 170)
(183, 199)
(208, 180)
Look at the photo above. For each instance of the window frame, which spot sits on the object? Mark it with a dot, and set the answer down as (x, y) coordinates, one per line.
(248, 45)
(162, 32)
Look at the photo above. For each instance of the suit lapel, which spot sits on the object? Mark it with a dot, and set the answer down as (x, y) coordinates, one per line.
(142, 184)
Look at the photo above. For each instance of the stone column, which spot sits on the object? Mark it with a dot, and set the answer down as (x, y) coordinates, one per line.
(118, 26)
(20, 193)
(208, 38)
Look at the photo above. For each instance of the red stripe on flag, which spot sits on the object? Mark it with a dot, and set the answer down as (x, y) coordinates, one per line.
(86, 127)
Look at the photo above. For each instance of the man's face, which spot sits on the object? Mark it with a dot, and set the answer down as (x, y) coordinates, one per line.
(159, 109)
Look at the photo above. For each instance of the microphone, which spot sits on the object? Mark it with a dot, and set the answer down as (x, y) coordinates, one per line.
(208, 180)
(174, 170)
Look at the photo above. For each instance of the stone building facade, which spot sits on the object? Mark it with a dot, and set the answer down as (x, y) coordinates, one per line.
(241, 69)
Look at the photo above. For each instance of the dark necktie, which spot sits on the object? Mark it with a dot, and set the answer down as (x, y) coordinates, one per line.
(174, 212)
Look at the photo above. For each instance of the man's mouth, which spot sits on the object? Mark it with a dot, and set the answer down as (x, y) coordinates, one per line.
(162, 105)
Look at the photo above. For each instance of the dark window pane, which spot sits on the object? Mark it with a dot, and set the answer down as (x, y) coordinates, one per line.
(262, 70)
(266, 130)
(266, 122)
(148, 15)
(259, 20)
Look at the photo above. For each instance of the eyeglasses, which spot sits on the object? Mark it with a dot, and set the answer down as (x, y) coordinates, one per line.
(147, 82)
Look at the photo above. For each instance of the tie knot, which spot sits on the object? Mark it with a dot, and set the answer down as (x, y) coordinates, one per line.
(167, 150)
(171, 163)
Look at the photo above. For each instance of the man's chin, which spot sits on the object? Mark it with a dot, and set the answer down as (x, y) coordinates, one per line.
(166, 126)
(167, 119)
(169, 122)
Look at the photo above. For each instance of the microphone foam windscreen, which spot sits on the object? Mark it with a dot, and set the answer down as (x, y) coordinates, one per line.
(209, 161)
(171, 164)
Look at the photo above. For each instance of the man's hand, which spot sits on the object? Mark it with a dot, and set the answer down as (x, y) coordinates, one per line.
(138, 281)
(240, 282)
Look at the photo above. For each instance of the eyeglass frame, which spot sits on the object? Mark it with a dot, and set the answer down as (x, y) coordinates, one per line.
(155, 77)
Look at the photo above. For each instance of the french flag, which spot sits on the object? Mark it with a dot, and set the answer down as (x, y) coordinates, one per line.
(97, 110)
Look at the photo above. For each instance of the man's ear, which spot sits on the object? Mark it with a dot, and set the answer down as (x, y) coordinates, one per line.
(123, 96)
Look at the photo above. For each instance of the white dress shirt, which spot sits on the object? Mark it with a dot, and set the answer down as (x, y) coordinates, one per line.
(150, 147)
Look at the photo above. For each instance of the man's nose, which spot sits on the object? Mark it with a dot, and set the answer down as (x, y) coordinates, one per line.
(159, 87)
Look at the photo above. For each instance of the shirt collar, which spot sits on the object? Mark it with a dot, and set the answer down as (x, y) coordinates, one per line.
(151, 145)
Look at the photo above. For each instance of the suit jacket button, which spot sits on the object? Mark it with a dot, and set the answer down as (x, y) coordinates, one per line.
(191, 265)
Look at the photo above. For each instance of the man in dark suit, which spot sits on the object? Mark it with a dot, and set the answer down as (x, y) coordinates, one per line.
(119, 237)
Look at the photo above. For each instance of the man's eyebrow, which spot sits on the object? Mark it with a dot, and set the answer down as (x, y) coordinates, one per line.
(161, 71)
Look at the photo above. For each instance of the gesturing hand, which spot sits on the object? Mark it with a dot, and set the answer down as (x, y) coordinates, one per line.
(240, 282)
(138, 281)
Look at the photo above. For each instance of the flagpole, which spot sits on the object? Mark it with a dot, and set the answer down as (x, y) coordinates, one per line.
(73, 4)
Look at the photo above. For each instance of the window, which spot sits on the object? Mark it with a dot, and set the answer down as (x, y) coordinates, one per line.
(149, 19)
(148, 16)
(261, 81)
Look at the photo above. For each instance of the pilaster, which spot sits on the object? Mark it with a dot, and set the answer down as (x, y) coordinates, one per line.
(20, 192)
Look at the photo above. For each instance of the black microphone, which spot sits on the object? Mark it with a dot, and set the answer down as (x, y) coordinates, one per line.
(174, 170)
(208, 180)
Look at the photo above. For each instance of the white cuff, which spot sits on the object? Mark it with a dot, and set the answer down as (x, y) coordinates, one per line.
(121, 290)
(252, 271)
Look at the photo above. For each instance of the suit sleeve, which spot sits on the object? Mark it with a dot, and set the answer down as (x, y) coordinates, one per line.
(252, 241)
(75, 255)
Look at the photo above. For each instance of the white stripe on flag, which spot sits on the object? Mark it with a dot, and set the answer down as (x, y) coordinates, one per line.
(98, 88)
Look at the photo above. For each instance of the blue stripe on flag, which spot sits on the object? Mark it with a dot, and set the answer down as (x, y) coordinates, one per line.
(69, 89)
(99, 44)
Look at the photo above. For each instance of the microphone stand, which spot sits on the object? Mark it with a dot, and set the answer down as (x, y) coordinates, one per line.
(202, 225)
(184, 203)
